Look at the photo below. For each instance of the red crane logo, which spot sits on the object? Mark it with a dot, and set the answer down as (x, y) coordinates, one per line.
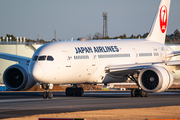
(163, 18)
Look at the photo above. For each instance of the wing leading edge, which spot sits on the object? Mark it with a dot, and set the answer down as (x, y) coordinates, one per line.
(17, 58)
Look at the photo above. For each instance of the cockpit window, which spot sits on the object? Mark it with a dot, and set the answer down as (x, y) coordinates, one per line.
(35, 57)
(42, 58)
(50, 58)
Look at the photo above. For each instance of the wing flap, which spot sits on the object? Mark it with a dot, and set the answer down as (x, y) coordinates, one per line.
(17, 58)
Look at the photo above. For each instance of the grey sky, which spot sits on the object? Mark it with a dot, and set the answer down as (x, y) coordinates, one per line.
(79, 18)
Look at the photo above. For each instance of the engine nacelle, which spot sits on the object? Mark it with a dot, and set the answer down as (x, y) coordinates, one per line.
(16, 78)
(155, 79)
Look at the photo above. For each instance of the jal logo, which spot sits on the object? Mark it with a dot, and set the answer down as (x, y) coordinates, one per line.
(163, 18)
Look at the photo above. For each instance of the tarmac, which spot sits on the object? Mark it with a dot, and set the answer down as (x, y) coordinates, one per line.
(18, 104)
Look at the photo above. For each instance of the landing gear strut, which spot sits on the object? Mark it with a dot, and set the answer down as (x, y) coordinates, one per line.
(137, 92)
(74, 91)
(47, 93)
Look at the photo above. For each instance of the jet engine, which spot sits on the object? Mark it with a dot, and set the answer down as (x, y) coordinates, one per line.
(155, 79)
(16, 78)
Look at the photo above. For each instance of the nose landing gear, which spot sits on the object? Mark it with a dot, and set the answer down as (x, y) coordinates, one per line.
(47, 93)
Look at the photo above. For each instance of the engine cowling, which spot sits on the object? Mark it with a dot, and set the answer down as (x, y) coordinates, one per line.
(155, 79)
(16, 78)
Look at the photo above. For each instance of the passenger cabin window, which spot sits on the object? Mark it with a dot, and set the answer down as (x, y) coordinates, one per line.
(145, 54)
(41, 58)
(50, 58)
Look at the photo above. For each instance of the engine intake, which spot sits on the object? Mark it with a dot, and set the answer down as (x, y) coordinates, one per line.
(16, 77)
(150, 79)
(155, 79)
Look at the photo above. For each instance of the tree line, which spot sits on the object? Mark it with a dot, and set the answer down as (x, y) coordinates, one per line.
(13, 38)
(173, 38)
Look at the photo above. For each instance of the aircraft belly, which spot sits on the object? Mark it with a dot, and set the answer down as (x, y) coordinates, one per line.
(114, 79)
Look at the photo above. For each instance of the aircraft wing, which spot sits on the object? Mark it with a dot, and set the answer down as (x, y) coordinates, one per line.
(128, 68)
(174, 53)
(17, 58)
(173, 63)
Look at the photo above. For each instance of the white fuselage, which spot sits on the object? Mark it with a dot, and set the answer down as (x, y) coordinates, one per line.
(85, 61)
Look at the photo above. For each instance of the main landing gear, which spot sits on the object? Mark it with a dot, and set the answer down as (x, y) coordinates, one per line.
(74, 91)
(137, 92)
(47, 93)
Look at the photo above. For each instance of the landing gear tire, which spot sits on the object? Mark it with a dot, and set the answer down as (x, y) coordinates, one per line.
(133, 92)
(139, 93)
(50, 95)
(147, 94)
(69, 92)
(78, 91)
(142, 93)
(74, 91)
(136, 92)
(47, 95)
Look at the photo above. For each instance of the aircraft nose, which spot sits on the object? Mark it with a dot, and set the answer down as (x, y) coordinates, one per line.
(37, 72)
